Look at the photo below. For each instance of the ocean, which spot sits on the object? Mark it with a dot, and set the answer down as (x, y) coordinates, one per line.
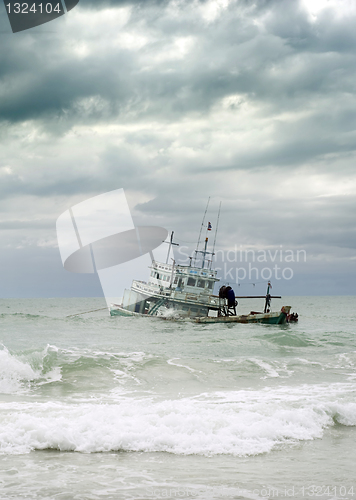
(94, 407)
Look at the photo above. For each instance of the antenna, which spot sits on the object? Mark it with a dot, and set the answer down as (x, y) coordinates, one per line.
(216, 232)
(201, 227)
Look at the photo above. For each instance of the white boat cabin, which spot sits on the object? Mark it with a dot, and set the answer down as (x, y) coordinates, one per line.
(183, 278)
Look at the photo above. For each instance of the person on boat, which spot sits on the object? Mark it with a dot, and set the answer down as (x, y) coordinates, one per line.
(222, 292)
(292, 317)
(231, 302)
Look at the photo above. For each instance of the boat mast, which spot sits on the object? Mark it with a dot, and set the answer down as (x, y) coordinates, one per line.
(268, 298)
(170, 243)
(216, 232)
(205, 252)
(201, 227)
(172, 274)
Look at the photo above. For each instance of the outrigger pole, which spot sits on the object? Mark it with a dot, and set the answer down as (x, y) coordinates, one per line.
(255, 296)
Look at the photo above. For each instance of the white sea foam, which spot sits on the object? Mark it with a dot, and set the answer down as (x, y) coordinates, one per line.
(307, 362)
(239, 423)
(170, 314)
(122, 377)
(171, 362)
(344, 414)
(270, 371)
(13, 372)
(16, 372)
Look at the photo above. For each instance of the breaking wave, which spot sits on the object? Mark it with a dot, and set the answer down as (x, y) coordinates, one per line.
(18, 371)
(239, 423)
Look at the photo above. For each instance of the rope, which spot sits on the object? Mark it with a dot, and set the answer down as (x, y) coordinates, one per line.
(86, 312)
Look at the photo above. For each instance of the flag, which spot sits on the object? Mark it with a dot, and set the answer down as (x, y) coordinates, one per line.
(209, 226)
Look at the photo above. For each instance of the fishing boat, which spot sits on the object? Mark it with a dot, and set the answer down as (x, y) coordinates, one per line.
(172, 290)
(175, 291)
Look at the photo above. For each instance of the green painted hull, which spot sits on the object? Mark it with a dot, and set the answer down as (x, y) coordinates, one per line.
(276, 318)
(267, 319)
(120, 311)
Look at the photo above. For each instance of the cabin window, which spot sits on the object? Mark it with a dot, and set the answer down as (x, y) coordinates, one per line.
(175, 280)
(210, 285)
(201, 283)
(191, 282)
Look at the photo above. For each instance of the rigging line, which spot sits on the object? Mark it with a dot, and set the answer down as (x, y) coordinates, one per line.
(182, 241)
(201, 227)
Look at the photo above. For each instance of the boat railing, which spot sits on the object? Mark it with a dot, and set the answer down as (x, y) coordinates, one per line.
(142, 286)
(212, 300)
(191, 297)
(209, 300)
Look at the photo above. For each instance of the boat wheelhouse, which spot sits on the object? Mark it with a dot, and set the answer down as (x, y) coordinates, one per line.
(187, 290)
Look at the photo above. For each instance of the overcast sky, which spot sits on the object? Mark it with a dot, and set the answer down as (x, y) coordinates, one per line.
(250, 103)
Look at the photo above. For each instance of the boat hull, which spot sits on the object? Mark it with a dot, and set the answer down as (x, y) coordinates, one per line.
(276, 318)
(273, 318)
(120, 311)
(160, 306)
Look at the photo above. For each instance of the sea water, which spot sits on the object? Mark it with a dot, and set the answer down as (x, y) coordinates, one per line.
(94, 407)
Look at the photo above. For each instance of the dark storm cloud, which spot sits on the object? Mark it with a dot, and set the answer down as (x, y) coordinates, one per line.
(319, 222)
(34, 92)
(230, 56)
(288, 65)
